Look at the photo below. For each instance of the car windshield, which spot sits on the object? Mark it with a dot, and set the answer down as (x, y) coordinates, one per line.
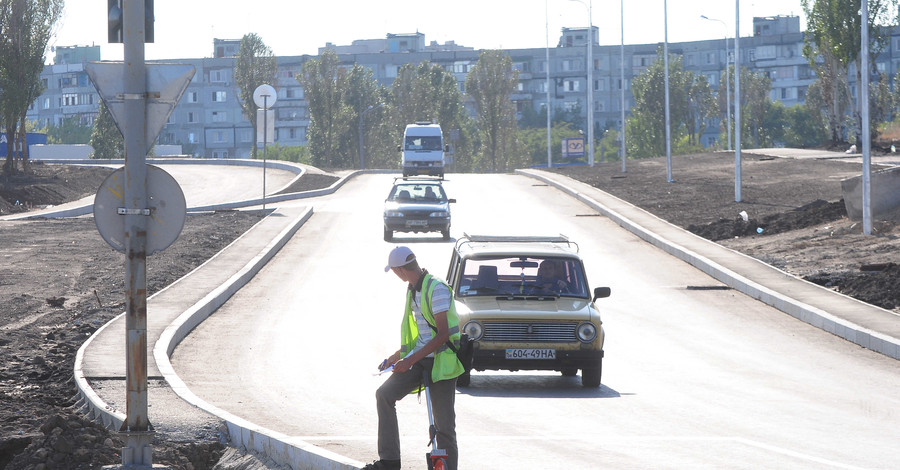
(522, 276)
(428, 142)
(410, 192)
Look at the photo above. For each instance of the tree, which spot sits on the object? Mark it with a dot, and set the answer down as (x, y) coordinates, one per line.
(490, 83)
(325, 83)
(254, 65)
(833, 42)
(106, 138)
(70, 131)
(647, 122)
(427, 92)
(755, 106)
(25, 29)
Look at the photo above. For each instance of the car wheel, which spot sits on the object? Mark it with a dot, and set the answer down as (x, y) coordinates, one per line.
(388, 234)
(590, 376)
(464, 379)
(569, 372)
(445, 234)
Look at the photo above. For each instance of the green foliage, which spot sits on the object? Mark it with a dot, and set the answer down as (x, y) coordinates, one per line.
(534, 142)
(833, 41)
(803, 127)
(71, 131)
(25, 30)
(325, 84)
(428, 92)
(690, 102)
(254, 65)
(295, 154)
(106, 139)
(490, 83)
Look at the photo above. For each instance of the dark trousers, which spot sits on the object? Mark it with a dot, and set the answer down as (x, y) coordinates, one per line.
(443, 397)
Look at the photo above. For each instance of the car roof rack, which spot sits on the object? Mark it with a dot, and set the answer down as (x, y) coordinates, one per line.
(466, 238)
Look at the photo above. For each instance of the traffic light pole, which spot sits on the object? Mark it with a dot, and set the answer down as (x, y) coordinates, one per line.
(136, 429)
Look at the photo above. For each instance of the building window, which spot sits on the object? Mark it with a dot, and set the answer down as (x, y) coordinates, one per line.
(219, 116)
(218, 96)
(193, 97)
(192, 138)
(70, 99)
(216, 76)
(246, 135)
(191, 117)
(219, 137)
(571, 85)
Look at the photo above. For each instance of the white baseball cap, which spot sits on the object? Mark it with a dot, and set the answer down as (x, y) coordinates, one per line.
(400, 256)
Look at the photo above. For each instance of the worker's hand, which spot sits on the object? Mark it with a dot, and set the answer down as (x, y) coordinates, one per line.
(402, 365)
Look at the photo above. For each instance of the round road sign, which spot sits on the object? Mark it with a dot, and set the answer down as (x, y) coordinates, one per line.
(265, 96)
(165, 200)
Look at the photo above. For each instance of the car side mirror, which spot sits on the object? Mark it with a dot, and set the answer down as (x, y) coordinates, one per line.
(451, 200)
(446, 147)
(399, 149)
(601, 293)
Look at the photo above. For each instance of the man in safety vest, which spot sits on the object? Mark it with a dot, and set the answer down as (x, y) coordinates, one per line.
(429, 324)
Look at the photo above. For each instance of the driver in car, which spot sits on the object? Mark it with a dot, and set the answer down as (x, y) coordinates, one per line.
(550, 277)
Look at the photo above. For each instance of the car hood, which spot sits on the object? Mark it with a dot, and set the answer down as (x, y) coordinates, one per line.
(491, 307)
(410, 206)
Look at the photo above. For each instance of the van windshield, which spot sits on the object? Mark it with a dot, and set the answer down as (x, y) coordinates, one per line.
(430, 142)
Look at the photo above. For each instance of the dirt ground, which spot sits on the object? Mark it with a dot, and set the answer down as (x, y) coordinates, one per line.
(59, 281)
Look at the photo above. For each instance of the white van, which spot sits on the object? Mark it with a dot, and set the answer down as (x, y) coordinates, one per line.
(423, 150)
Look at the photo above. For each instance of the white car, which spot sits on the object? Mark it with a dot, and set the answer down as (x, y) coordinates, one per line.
(527, 304)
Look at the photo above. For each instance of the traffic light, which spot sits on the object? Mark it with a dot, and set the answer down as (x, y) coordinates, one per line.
(116, 20)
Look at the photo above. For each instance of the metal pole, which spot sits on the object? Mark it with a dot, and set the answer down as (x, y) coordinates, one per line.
(622, 80)
(547, 35)
(666, 65)
(265, 141)
(136, 427)
(864, 111)
(590, 84)
(737, 101)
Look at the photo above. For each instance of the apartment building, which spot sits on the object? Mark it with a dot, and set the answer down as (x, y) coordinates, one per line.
(208, 121)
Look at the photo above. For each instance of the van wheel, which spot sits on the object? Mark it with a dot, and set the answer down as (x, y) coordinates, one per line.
(388, 234)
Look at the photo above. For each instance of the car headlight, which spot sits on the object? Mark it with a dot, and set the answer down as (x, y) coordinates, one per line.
(393, 214)
(439, 214)
(586, 332)
(474, 330)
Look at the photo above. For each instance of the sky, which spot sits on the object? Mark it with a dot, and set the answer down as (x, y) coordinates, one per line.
(186, 28)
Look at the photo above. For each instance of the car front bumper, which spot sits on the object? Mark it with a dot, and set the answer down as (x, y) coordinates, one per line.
(402, 224)
(495, 359)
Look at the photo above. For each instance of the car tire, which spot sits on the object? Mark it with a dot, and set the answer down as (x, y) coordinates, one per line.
(464, 379)
(388, 235)
(590, 376)
(445, 234)
(569, 372)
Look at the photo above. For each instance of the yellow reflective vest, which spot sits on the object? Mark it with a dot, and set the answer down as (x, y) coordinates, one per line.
(446, 365)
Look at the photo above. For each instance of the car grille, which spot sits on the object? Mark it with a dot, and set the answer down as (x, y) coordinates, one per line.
(529, 332)
(417, 214)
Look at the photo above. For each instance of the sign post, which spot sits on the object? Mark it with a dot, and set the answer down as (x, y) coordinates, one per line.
(125, 219)
(264, 96)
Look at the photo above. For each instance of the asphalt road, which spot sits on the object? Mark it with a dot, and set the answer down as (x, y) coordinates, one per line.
(693, 378)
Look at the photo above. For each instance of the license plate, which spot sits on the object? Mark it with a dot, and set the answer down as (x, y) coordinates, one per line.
(416, 223)
(531, 353)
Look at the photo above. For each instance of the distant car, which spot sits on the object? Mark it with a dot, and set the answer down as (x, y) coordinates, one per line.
(417, 205)
(527, 304)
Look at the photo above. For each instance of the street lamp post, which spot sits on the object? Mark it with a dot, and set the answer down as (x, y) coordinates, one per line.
(362, 151)
(727, 82)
